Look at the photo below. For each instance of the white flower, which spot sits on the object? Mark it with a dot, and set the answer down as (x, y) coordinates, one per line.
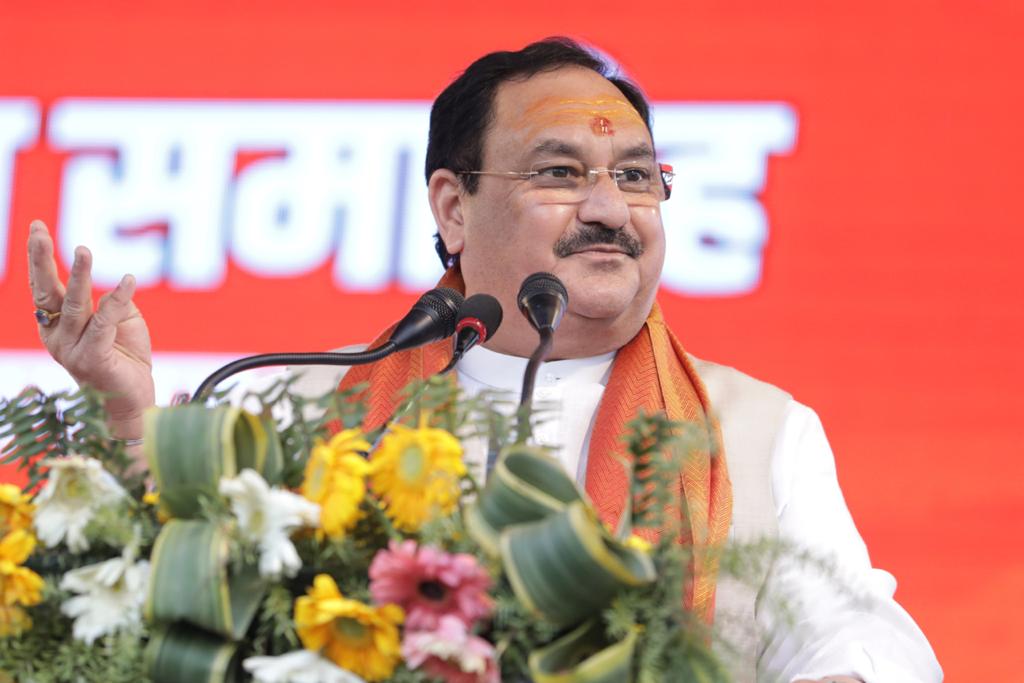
(111, 596)
(75, 488)
(266, 516)
(301, 666)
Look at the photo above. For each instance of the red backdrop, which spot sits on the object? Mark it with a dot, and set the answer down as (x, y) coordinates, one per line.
(888, 299)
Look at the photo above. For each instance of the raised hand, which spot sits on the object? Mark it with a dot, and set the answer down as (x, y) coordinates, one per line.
(107, 348)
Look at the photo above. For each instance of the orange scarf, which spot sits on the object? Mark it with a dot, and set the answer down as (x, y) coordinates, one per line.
(651, 372)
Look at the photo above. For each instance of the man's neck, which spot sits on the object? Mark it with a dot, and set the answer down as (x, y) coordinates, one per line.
(503, 371)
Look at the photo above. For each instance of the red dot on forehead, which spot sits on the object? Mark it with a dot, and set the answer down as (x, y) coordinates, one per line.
(601, 126)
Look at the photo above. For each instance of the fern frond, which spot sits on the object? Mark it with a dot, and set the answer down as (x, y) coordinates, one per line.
(655, 444)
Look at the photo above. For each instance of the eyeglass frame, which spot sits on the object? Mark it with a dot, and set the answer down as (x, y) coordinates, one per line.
(667, 175)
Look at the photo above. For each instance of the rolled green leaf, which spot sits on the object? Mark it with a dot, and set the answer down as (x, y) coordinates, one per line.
(191, 581)
(190, 447)
(567, 567)
(180, 654)
(584, 655)
(272, 460)
(526, 485)
(561, 562)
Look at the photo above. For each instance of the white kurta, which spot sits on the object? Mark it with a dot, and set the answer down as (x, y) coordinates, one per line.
(860, 631)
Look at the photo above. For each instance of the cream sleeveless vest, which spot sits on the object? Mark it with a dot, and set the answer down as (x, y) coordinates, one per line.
(750, 413)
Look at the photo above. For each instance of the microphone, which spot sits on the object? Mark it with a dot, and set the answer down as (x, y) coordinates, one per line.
(431, 318)
(479, 318)
(543, 300)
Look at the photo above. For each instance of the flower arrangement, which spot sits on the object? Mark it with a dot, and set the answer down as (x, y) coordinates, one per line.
(273, 545)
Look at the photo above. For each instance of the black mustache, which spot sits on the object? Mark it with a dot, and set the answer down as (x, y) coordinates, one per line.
(590, 234)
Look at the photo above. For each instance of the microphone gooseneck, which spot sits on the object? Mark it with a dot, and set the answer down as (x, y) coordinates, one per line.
(431, 318)
(267, 359)
(479, 318)
(543, 300)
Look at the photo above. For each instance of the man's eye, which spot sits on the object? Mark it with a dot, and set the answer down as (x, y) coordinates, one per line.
(634, 175)
(558, 172)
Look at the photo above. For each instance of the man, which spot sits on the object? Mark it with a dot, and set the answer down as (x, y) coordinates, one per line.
(540, 161)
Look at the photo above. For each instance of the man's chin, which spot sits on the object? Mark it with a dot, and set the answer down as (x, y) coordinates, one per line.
(601, 280)
(594, 307)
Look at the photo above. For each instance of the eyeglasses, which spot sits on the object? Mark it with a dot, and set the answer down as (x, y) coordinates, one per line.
(571, 181)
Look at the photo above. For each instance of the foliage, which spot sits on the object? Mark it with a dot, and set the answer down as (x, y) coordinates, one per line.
(34, 426)
(48, 654)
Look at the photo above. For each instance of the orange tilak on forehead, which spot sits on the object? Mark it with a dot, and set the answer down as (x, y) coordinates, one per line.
(601, 126)
(602, 115)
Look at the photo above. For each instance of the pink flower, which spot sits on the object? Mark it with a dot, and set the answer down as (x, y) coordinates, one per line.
(451, 653)
(429, 584)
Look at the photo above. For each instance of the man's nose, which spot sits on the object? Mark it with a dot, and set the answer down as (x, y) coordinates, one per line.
(605, 204)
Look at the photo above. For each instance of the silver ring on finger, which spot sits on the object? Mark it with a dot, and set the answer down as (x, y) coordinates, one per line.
(45, 317)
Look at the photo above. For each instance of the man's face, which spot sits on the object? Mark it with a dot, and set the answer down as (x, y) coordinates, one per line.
(607, 247)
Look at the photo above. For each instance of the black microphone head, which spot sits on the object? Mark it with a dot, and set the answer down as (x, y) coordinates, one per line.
(542, 283)
(444, 303)
(431, 318)
(543, 300)
(483, 312)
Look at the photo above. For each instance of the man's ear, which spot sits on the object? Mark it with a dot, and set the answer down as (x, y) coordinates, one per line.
(445, 193)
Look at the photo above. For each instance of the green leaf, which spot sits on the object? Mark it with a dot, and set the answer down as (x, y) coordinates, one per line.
(192, 580)
(272, 466)
(585, 656)
(545, 561)
(179, 654)
(526, 486)
(548, 536)
(191, 447)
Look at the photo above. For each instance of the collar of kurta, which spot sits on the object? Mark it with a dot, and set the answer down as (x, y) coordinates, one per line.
(652, 373)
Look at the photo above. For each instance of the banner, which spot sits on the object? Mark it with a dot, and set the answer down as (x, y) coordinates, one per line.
(843, 223)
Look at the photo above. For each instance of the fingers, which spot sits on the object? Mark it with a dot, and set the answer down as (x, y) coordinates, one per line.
(47, 289)
(115, 307)
(77, 307)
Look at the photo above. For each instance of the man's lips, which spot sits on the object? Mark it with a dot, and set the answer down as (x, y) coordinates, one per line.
(601, 249)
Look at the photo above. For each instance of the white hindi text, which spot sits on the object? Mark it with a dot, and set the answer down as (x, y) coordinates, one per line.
(172, 190)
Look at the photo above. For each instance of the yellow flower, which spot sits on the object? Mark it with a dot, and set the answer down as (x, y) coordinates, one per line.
(638, 543)
(417, 472)
(15, 509)
(355, 636)
(13, 621)
(153, 498)
(335, 479)
(18, 584)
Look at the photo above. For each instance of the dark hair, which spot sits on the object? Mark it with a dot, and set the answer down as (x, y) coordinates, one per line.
(462, 112)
